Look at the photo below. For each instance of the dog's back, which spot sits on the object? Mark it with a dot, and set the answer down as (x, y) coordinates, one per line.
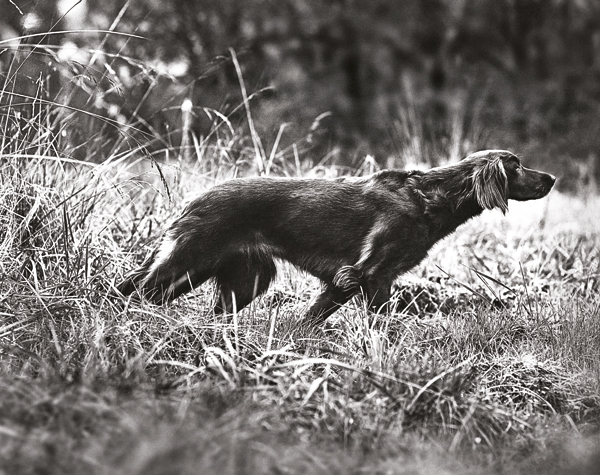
(319, 225)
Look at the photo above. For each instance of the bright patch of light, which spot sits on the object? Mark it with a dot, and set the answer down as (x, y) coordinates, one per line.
(175, 68)
(529, 360)
(69, 51)
(186, 106)
(31, 22)
(75, 12)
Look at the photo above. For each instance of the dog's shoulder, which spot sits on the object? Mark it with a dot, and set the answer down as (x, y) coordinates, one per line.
(393, 180)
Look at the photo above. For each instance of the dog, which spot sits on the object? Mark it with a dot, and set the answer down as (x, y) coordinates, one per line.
(355, 234)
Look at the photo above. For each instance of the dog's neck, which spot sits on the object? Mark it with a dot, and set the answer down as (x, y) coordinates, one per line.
(447, 198)
(445, 220)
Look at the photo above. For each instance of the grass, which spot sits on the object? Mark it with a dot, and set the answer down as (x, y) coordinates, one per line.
(489, 365)
(492, 360)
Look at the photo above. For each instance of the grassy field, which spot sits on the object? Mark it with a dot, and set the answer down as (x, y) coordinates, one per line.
(490, 364)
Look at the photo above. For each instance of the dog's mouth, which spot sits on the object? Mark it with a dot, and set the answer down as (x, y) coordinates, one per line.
(544, 188)
(532, 185)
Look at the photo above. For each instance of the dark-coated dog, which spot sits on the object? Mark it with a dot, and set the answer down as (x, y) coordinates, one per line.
(355, 234)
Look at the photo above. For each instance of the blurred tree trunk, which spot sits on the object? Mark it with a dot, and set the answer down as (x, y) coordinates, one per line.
(528, 40)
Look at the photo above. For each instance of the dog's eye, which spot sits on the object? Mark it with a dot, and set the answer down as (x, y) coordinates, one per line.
(513, 165)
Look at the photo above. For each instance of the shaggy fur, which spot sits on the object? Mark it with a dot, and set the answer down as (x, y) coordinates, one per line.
(355, 234)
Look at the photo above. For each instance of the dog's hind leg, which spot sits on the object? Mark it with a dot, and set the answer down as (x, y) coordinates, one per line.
(241, 279)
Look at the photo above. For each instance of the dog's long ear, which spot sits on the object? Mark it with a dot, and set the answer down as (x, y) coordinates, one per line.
(490, 185)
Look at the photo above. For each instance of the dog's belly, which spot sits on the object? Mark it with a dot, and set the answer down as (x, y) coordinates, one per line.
(322, 267)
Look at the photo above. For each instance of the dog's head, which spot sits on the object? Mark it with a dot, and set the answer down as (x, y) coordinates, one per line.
(499, 176)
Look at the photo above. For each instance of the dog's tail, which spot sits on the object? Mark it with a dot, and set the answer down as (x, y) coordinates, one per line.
(134, 280)
(130, 283)
(162, 276)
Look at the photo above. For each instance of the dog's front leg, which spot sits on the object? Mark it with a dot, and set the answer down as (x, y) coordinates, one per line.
(370, 275)
(331, 299)
(375, 289)
(377, 293)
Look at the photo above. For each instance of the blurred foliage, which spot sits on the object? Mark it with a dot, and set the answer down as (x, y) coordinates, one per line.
(454, 75)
